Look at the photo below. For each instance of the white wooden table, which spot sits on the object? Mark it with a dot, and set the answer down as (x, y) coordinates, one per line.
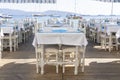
(68, 38)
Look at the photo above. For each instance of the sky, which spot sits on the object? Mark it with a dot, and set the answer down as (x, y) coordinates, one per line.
(86, 7)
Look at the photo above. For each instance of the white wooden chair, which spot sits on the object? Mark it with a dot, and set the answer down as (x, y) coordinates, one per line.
(113, 42)
(82, 25)
(107, 40)
(51, 55)
(37, 27)
(38, 51)
(92, 31)
(10, 40)
(46, 54)
(72, 56)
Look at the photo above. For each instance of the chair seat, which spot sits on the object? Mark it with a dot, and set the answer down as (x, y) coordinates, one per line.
(51, 48)
(39, 49)
(67, 48)
(48, 48)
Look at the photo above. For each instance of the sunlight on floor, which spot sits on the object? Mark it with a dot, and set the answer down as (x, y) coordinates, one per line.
(33, 61)
(99, 47)
(101, 60)
(17, 61)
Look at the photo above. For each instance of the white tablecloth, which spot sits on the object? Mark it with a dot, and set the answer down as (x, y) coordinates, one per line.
(67, 38)
(7, 28)
(78, 39)
(112, 28)
(1, 33)
(118, 34)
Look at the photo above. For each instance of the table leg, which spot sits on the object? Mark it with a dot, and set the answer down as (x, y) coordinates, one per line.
(110, 42)
(83, 58)
(76, 61)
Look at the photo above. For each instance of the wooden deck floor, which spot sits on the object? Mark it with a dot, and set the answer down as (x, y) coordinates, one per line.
(99, 65)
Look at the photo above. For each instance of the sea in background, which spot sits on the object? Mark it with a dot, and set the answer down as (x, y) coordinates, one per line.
(18, 14)
(87, 17)
(44, 18)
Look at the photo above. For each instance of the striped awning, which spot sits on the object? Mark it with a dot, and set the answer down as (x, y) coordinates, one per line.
(109, 0)
(28, 1)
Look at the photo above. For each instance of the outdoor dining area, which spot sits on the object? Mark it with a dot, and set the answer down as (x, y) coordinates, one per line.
(13, 33)
(59, 40)
(61, 43)
(106, 32)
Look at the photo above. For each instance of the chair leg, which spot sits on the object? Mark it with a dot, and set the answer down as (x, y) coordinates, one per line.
(1, 45)
(63, 63)
(42, 60)
(83, 59)
(76, 70)
(57, 68)
(15, 43)
(76, 61)
(117, 45)
(83, 63)
(102, 42)
(105, 45)
(37, 63)
(0, 49)
(0, 54)
(57, 63)
(63, 68)
(79, 59)
(10, 44)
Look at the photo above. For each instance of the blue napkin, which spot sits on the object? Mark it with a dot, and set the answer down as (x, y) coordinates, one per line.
(59, 30)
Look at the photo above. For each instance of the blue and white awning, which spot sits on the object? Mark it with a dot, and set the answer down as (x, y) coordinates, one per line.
(28, 1)
(109, 0)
